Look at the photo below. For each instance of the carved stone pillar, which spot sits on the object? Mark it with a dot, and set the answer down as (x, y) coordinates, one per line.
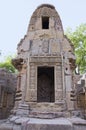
(58, 84)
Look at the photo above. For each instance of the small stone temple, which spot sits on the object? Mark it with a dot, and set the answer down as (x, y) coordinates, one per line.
(45, 61)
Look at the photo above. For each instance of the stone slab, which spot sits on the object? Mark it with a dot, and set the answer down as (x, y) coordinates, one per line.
(21, 120)
(77, 121)
(56, 121)
(45, 124)
(48, 127)
(6, 126)
(49, 124)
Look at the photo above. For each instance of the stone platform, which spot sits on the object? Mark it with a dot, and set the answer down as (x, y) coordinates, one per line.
(36, 124)
(23, 123)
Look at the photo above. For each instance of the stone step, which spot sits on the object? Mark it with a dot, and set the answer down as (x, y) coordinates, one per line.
(37, 124)
(18, 123)
(49, 124)
(47, 107)
(46, 115)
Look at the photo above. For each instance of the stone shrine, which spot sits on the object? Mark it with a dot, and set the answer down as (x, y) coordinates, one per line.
(46, 63)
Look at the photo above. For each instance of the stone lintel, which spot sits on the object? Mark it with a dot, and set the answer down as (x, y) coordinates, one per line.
(45, 59)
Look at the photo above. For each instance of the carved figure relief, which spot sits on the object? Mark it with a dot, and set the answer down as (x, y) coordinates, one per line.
(57, 24)
(45, 46)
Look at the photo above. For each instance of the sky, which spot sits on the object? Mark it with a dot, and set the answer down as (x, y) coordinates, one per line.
(15, 16)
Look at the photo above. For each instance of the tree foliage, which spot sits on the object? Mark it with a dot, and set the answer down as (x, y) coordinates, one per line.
(78, 38)
(8, 65)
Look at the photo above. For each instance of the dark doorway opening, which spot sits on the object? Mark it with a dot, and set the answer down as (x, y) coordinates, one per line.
(45, 84)
(45, 22)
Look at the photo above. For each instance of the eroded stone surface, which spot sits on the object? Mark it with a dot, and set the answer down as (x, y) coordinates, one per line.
(44, 47)
(8, 82)
(45, 124)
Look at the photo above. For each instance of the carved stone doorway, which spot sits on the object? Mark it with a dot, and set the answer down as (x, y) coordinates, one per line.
(45, 84)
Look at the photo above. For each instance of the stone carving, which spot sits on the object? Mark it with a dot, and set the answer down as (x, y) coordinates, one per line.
(45, 49)
(43, 36)
(43, 85)
(57, 24)
(45, 46)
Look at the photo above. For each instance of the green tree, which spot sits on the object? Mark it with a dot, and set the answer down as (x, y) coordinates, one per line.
(8, 65)
(78, 38)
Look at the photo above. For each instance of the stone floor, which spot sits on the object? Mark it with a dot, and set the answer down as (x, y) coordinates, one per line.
(23, 123)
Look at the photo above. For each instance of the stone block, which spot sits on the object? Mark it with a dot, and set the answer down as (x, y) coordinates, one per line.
(21, 120)
(48, 127)
(16, 127)
(32, 95)
(79, 127)
(14, 118)
(22, 112)
(59, 94)
(6, 126)
(45, 124)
